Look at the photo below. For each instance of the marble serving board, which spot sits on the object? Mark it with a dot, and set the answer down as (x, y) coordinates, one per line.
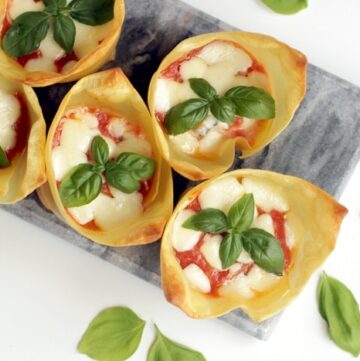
(321, 144)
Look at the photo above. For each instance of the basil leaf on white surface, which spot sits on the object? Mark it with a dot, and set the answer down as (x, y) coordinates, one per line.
(223, 109)
(114, 335)
(241, 214)
(99, 150)
(165, 349)
(208, 220)
(203, 88)
(4, 160)
(230, 249)
(64, 32)
(286, 7)
(92, 12)
(339, 308)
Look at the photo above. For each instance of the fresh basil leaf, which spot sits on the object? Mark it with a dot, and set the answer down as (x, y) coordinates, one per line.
(26, 33)
(286, 7)
(164, 349)
(186, 116)
(230, 249)
(264, 249)
(140, 167)
(99, 150)
(241, 214)
(223, 109)
(252, 102)
(120, 178)
(92, 12)
(339, 308)
(80, 186)
(4, 160)
(203, 88)
(208, 220)
(114, 335)
(64, 32)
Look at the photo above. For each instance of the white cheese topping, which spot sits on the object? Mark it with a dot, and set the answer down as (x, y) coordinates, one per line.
(221, 194)
(210, 249)
(197, 278)
(10, 111)
(264, 222)
(184, 239)
(75, 141)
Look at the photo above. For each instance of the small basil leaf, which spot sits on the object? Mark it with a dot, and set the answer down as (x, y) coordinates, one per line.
(140, 167)
(223, 109)
(286, 7)
(241, 214)
(114, 335)
(4, 160)
(99, 150)
(164, 349)
(186, 116)
(339, 308)
(92, 12)
(80, 186)
(252, 102)
(230, 249)
(208, 220)
(264, 249)
(120, 178)
(26, 33)
(203, 88)
(64, 32)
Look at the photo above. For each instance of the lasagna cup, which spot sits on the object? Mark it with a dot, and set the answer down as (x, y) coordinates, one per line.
(106, 177)
(22, 142)
(47, 42)
(218, 92)
(249, 239)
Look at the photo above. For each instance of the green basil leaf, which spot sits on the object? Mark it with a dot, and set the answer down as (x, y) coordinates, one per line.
(26, 33)
(230, 249)
(339, 308)
(164, 349)
(64, 32)
(286, 7)
(80, 186)
(99, 150)
(114, 335)
(186, 116)
(120, 178)
(252, 102)
(203, 88)
(140, 167)
(264, 249)
(4, 160)
(92, 12)
(208, 220)
(223, 109)
(241, 214)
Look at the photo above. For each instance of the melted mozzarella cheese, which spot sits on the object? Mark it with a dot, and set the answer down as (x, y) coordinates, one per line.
(244, 257)
(197, 278)
(221, 194)
(266, 196)
(290, 236)
(211, 250)
(194, 68)
(187, 142)
(247, 285)
(10, 111)
(184, 239)
(265, 223)
(19, 7)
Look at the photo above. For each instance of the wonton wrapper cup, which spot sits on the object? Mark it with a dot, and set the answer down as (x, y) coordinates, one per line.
(88, 64)
(111, 90)
(314, 217)
(27, 170)
(286, 69)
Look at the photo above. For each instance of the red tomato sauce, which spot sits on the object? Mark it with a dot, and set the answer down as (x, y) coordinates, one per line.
(194, 205)
(64, 59)
(23, 60)
(22, 128)
(146, 187)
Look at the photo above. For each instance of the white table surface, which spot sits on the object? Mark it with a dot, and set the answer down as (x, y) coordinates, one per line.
(50, 290)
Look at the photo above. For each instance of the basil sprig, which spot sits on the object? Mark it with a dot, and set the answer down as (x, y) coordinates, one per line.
(114, 335)
(4, 160)
(339, 308)
(82, 184)
(286, 7)
(165, 349)
(262, 246)
(245, 101)
(30, 28)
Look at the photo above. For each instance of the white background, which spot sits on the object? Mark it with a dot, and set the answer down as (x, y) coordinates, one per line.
(50, 290)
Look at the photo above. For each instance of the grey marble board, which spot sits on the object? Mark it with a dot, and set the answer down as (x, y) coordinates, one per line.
(321, 144)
